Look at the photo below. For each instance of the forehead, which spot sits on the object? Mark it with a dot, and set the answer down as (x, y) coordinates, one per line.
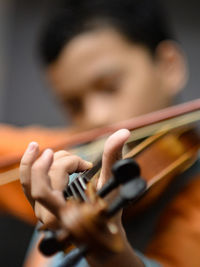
(90, 56)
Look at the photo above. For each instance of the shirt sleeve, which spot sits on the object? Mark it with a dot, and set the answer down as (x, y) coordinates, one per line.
(83, 263)
(147, 262)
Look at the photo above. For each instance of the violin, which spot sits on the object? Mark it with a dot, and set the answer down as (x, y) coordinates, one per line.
(92, 140)
(172, 141)
(157, 176)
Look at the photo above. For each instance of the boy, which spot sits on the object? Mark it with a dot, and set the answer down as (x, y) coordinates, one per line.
(107, 61)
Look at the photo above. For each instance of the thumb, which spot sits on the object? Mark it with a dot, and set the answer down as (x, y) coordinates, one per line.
(112, 152)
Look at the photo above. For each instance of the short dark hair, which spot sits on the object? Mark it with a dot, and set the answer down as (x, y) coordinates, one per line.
(140, 21)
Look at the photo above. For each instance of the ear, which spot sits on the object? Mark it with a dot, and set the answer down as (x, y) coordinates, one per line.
(172, 66)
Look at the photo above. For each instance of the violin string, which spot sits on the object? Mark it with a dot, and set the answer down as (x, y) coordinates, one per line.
(172, 123)
(73, 191)
(78, 186)
(82, 182)
(81, 191)
(146, 143)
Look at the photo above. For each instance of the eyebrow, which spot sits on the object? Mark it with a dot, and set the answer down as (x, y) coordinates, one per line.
(105, 74)
(93, 80)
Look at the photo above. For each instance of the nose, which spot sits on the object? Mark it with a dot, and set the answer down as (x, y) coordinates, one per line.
(97, 110)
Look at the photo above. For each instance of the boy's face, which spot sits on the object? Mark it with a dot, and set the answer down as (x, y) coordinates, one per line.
(101, 78)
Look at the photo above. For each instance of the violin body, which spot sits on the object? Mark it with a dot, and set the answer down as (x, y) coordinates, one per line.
(162, 161)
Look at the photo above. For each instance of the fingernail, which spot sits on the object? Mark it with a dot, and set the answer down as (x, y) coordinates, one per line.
(46, 153)
(89, 163)
(32, 146)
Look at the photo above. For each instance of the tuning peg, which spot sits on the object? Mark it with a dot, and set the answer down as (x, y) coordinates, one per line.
(49, 245)
(123, 171)
(54, 241)
(129, 192)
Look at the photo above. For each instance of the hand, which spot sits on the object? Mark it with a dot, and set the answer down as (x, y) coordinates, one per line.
(44, 178)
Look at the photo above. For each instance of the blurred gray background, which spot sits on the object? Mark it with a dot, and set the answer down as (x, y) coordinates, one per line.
(24, 97)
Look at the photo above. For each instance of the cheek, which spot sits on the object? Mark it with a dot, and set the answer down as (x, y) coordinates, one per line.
(138, 94)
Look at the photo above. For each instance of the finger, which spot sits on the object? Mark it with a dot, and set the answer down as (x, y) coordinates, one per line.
(60, 154)
(63, 166)
(27, 160)
(41, 189)
(112, 153)
(61, 178)
(45, 216)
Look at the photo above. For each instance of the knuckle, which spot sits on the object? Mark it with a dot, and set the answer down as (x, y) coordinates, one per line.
(61, 153)
(37, 194)
(37, 166)
(75, 158)
(65, 162)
